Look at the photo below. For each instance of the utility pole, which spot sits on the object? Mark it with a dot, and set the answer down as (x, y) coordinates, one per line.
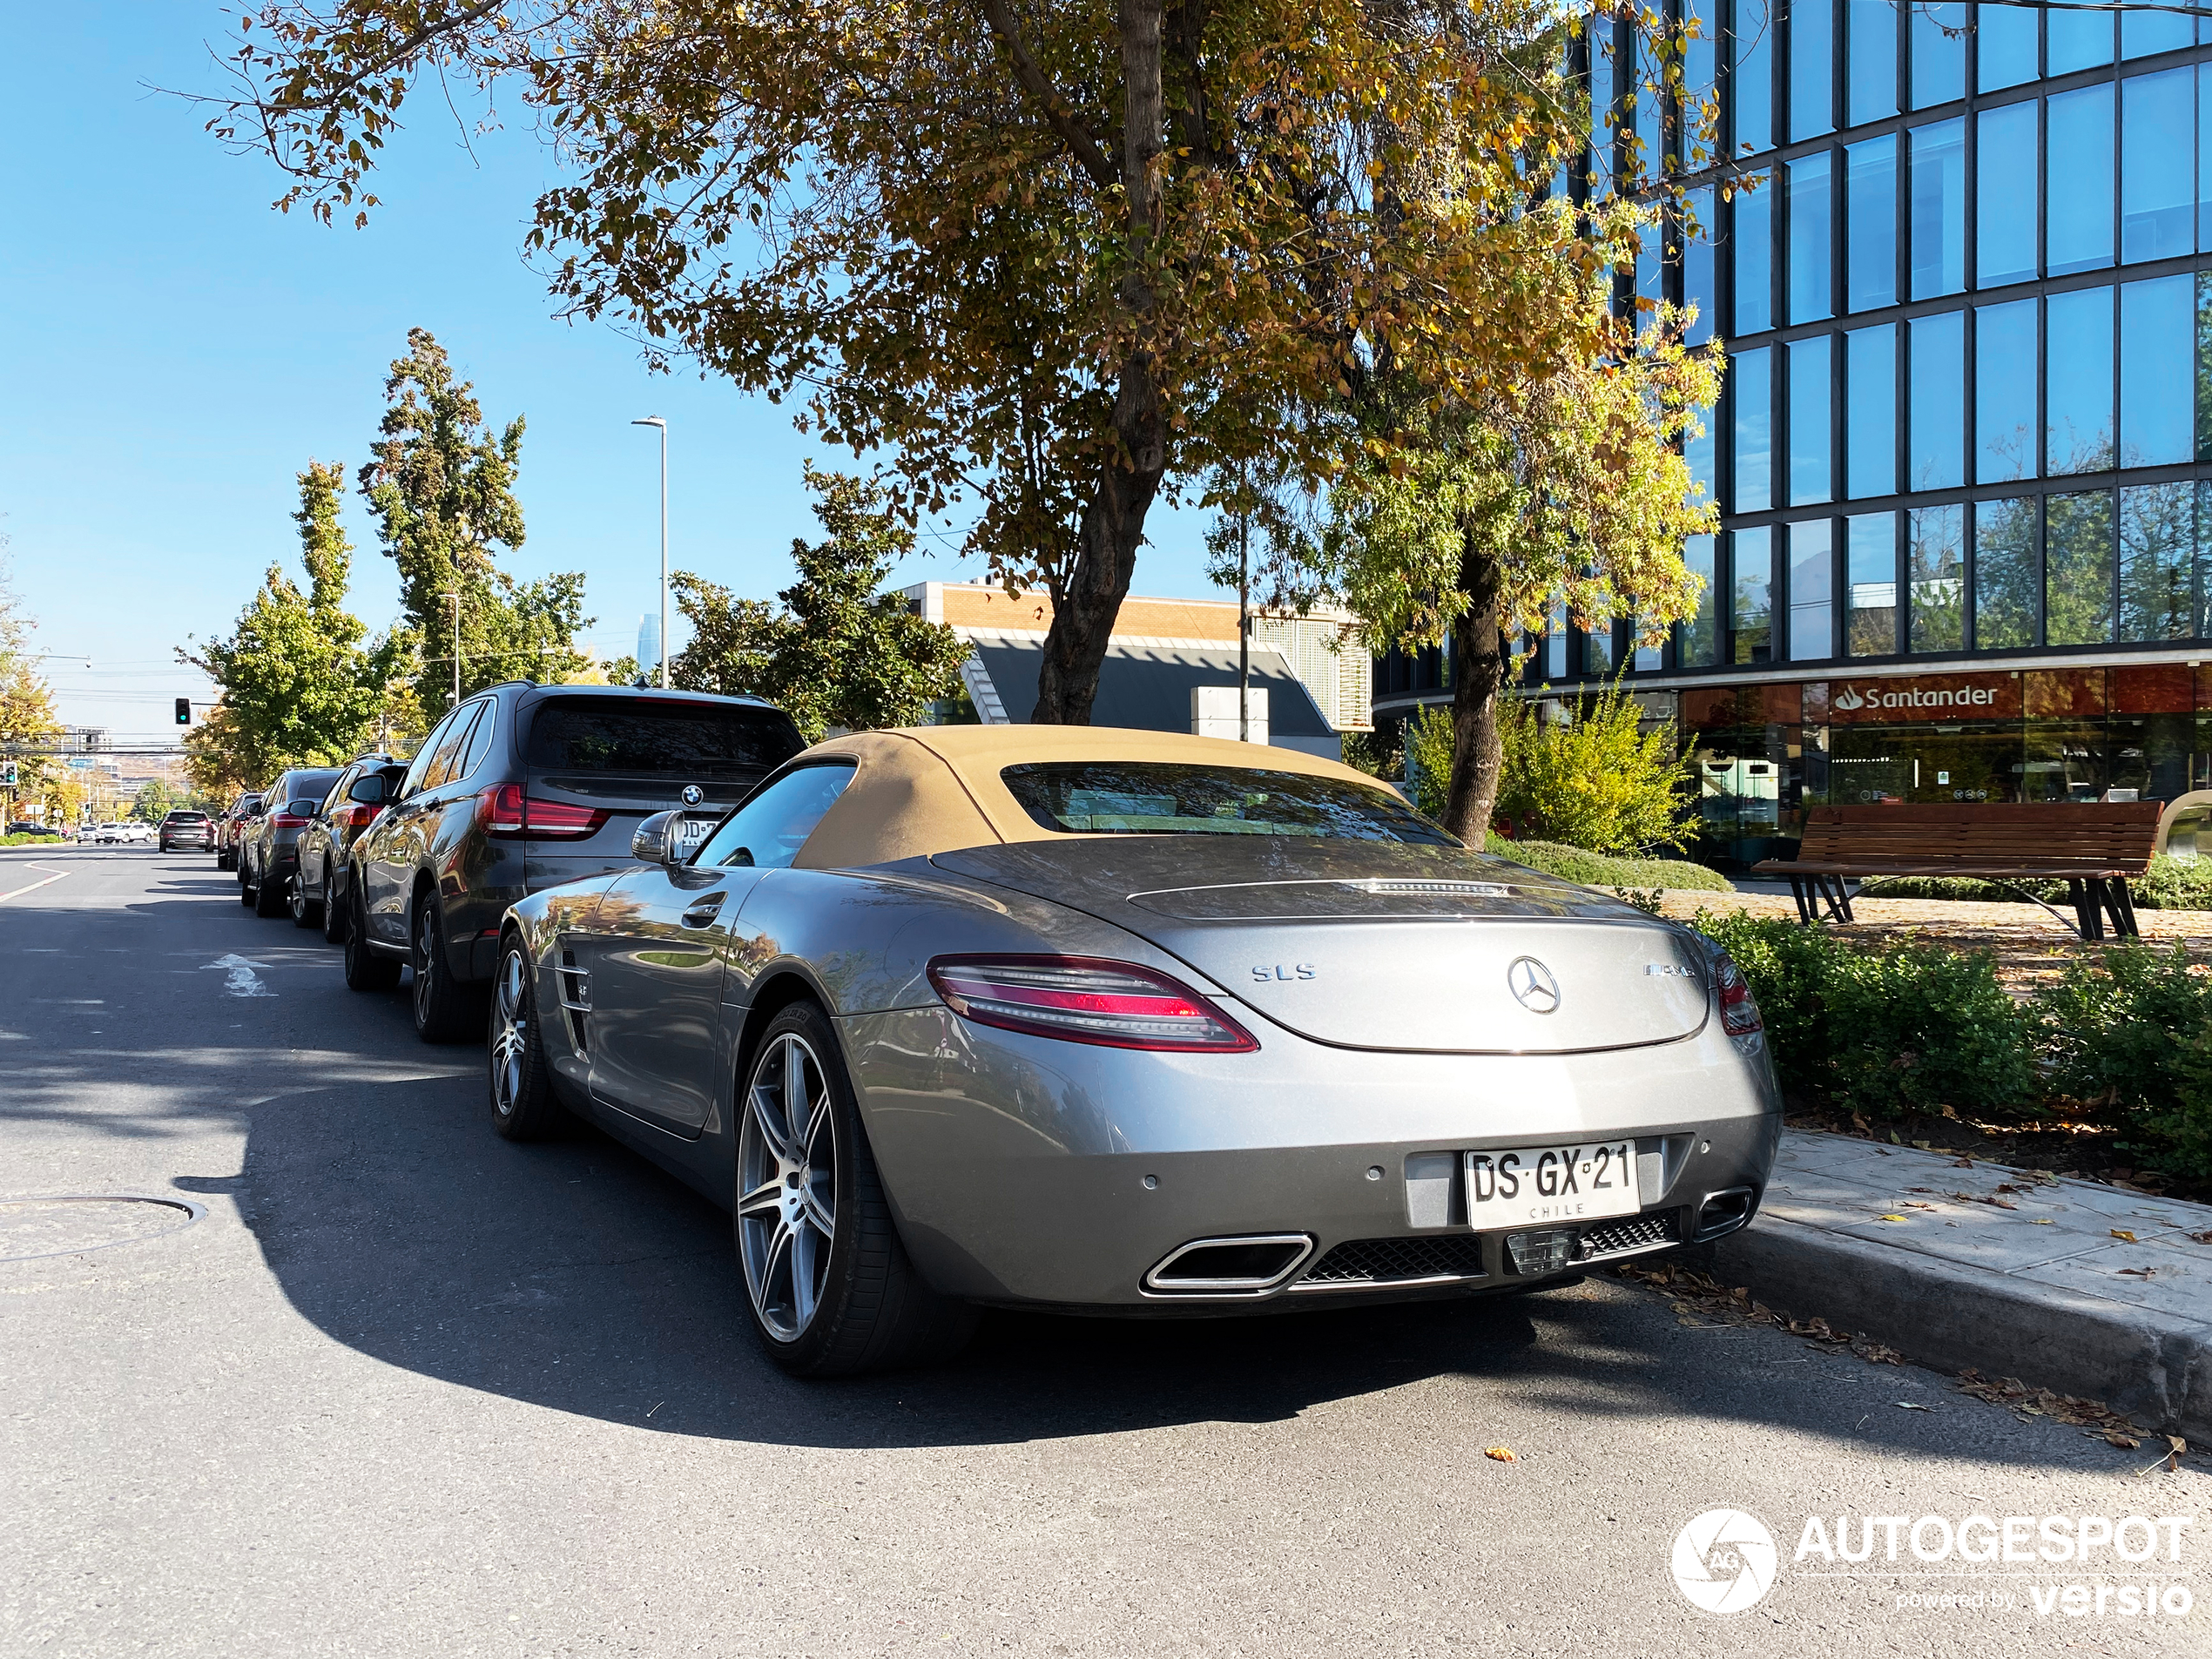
(454, 594)
(1244, 624)
(655, 420)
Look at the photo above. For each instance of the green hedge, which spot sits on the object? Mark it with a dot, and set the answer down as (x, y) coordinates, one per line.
(21, 839)
(2124, 1037)
(1603, 870)
(2170, 884)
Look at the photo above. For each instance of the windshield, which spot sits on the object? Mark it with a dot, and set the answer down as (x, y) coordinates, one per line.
(1142, 798)
(649, 737)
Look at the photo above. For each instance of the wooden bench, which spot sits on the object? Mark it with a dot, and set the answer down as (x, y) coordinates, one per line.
(2093, 847)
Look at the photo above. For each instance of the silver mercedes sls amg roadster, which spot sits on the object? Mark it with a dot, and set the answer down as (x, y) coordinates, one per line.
(1120, 1022)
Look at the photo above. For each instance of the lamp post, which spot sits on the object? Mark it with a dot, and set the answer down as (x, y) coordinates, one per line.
(656, 420)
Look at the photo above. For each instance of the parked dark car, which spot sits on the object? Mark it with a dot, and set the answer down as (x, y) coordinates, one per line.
(231, 826)
(269, 851)
(521, 787)
(194, 831)
(317, 888)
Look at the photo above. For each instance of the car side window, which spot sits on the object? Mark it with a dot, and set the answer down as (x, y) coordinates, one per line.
(479, 742)
(770, 827)
(446, 763)
(426, 757)
(337, 795)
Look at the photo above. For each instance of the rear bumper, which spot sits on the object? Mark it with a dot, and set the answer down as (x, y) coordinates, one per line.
(1025, 1170)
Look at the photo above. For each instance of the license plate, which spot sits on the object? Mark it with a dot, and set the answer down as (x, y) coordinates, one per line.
(1534, 1185)
(688, 833)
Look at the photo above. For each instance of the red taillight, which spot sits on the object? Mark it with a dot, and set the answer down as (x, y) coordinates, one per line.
(507, 810)
(1739, 1009)
(1082, 999)
(357, 817)
(287, 820)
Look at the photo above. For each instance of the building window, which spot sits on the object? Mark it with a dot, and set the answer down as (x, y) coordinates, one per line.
(1870, 221)
(1939, 181)
(1938, 54)
(1555, 641)
(2005, 195)
(2157, 204)
(2158, 562)
(1937, 425)
(1811, 257)
(1750, 611)
(1870, 588)
(2157, 373)
(1752, 231)
(1811, 385)
(1812, 68)
(2204, 157)
(2005, 47)
(2144, 33)
(2005, 573)
(2078, 40)
(1870, 423)
(2005, 392)
(1753, 374)
(1700, 636)
(2077, 384)
(1597, 648)
(1697, 290)
(1812, 577)
(1936, 565)
(2077, 568)
(1872, 29)
(1751, 78)
(2078, 199)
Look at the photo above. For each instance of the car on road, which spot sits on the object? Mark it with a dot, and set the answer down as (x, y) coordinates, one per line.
(194, 831)
(318, 887)
(269, 851)
(231, 827)
(1131, 1023)
(521, 787)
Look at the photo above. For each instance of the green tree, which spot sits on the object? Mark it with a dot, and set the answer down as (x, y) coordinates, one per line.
(27, 718)
(1056, 260)
(154, 801)
(839, 653)
(300, 684)
(441, 488)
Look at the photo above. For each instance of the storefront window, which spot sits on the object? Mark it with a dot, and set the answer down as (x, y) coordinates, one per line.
(2158, 562)
(1700, 636)
(2077, 569)
(1870, 206)
(1811, 255)
(1751, 80)
(1752, 231)
(1873, 26)
(2005, 392)
(1697, 268)
(1871, 589)
(2004, 211)
(2006, 575)
(1812, 72)
(1937, 430)
(2005, 47)
(1938, 153)
(2155, 205)
(1753, 374)
(1812, 605)
(2077, 422)
(2156, 381)
(1751, 603)
(1811, 385)
(1936, 567)
(1869, 429)
(2078, 203)
(1938, 54)
(2078, 40)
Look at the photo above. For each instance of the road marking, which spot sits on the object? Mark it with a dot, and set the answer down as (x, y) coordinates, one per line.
(34, 886)
(243, 980)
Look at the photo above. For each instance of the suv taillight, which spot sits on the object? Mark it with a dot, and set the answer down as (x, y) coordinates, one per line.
(506, 810)
(1083, 999)
(286, 820)
(1739, 1009)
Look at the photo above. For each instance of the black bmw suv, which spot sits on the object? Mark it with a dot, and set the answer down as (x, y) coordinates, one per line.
(519, 787)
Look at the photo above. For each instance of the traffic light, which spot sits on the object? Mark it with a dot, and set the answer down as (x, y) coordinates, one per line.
(8, 775)
(183, 710)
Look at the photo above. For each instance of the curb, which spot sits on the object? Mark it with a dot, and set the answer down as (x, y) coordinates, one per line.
(2151, 1365)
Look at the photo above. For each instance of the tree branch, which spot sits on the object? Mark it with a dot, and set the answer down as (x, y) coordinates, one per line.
(1061, 118)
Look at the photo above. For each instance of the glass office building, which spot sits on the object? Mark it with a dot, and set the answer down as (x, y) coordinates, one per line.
(1964, 454)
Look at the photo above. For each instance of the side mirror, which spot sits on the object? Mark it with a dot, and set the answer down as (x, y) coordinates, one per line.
(369, 791)
(654, 838)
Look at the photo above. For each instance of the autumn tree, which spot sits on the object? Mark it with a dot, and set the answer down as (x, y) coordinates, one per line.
(29, 720)
(1050, 259)
(840, 653)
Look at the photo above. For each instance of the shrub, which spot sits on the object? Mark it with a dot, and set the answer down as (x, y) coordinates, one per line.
(22, 838)
(2170, 884)
(1599, 781)
(2129, 1030)
(1601, 870)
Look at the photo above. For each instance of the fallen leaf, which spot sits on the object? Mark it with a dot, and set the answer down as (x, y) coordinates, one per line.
(1892, 1217)
(1962, 1164)
(2138, 1272)
(1907, 1405)
(2043, 1221)
(1499, 1454)
(2118, 1233)
(1914, 1204)
(2125, 1442)
(2204, 1238)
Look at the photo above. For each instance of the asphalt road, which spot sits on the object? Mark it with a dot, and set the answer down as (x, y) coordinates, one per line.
(405, 1389)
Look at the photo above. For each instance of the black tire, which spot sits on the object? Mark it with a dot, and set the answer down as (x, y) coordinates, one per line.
(520, 1083)
(305, 911)
(445, 1009)
(268, 898)
(871, 1310)
(365, 969)
(334, 919)
(245, 887)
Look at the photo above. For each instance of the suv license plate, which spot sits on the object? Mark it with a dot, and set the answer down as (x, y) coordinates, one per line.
(688, 833)
(1527, 1186)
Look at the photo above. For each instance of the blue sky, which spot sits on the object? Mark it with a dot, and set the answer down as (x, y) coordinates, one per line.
(174, 353)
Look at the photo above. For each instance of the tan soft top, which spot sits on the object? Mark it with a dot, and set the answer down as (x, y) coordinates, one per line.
(930, 789)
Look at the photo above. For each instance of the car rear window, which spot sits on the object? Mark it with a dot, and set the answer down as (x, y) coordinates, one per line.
(1145, 798)
(649, 737)
(187, 818)
(303, 791)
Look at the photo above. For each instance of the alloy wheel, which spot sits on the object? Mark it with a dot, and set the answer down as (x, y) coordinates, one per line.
(510, 1037)
(426, 948)
(787, 1180)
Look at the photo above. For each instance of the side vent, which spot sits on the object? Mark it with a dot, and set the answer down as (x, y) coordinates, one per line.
(575, 999)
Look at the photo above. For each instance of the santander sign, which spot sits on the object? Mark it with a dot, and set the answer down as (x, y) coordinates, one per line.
(1946, 697)
(1851, 700)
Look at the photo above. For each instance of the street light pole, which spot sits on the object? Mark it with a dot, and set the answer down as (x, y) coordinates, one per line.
(656, 420)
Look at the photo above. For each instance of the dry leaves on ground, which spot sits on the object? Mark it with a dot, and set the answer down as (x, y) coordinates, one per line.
(2098, 1419)
(1499, 1453)
(1699, 1299)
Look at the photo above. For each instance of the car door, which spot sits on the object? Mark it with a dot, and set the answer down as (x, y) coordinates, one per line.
(660, 944)
(315, 839)
(388, 851)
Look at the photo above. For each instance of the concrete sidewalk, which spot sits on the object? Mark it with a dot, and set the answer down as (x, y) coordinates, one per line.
(1961, 1264)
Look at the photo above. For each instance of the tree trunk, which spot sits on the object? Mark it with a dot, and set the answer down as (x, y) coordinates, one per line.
(1084, 612)
(1478, 680)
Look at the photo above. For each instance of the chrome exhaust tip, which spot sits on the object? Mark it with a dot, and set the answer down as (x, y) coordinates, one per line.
(1249, 1266)
(1723, 1212)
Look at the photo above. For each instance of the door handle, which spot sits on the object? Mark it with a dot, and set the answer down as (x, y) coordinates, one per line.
(703, 914)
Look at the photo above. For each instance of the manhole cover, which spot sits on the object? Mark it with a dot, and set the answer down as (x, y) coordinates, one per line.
(72, 1223)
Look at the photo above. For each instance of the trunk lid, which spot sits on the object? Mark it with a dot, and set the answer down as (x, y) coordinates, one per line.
(1377, 945)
